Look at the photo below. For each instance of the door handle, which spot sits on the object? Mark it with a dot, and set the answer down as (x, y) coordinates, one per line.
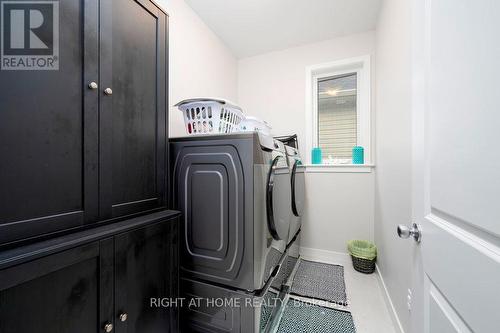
(407, 232)
(108, 91)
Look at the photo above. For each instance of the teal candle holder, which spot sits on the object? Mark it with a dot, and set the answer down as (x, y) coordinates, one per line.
(316, 156)
(358, 155)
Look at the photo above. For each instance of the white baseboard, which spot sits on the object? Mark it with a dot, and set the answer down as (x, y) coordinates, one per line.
(393, 313)
(329, 257)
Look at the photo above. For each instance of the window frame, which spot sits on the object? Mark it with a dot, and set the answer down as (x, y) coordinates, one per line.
(360, 66)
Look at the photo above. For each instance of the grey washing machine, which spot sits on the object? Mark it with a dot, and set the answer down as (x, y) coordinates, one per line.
(234, 193)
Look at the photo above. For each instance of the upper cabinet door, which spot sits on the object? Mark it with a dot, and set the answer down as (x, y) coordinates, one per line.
(133, 107)
(48, 159)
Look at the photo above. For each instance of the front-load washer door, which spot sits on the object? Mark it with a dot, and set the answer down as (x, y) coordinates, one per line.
(298, 198)
(298, 188)
(278, 194)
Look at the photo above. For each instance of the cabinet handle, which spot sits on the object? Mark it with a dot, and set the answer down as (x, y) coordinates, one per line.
(93, 85)
(123, 317)
(108, 327)
(108, 91)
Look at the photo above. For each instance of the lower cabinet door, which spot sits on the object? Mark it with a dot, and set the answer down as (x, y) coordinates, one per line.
(71, 291)
(146, 270)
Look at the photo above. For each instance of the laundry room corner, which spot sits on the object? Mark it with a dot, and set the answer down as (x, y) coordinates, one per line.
(339, 198)
(249, 166)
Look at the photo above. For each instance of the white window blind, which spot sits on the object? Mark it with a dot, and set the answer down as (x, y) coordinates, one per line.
(337, 115)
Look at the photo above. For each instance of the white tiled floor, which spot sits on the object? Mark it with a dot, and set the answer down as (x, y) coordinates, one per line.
(366, 300)
(367, 304)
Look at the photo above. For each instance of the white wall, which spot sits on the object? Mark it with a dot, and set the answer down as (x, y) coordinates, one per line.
(393, 150)
(339, 207)
(199, 63)
(272, 86)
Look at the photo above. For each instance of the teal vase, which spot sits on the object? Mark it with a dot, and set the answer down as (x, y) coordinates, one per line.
(316, 156)
(358, 155)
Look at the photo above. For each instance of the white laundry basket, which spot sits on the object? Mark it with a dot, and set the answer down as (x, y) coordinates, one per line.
(254, 124)
(210, 116)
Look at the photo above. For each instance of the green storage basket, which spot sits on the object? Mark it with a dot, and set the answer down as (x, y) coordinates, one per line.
(363, 254)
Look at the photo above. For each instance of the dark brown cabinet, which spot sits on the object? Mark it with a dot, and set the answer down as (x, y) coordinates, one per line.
(134, 125)
(84, 164)
(87, 142)
(105, 284)
(48, 164)
(59, 293)
(145, 268)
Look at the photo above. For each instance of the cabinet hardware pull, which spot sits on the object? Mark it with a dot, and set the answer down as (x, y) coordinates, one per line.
(108, 327)
(123, 317)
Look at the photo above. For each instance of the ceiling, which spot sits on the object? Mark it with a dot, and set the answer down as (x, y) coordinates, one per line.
(251, 27)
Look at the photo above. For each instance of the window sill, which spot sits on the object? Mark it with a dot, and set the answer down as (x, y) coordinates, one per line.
(342, 168)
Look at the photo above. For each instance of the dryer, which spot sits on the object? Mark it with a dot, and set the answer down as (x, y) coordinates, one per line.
(234, 193)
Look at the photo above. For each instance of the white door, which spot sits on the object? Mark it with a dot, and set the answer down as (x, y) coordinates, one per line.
(456, 104)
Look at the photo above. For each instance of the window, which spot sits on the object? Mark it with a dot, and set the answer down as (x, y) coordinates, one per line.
(337, 116)
(338, 109)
